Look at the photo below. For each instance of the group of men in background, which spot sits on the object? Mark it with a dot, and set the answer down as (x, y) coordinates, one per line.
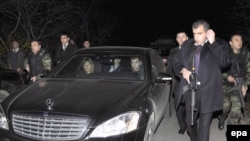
(38, 62)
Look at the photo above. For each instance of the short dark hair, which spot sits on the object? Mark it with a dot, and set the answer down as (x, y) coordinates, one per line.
(36, 40)
(65, 33)
(235, 34)
(181, 31)
(14, 41)
(136, 57)
(204, 23)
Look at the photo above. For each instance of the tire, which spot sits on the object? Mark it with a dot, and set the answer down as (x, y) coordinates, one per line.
(149, 133)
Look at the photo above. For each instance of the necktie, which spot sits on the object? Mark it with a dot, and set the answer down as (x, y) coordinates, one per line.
(197, 58)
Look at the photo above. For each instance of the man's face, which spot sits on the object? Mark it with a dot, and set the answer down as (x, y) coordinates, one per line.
(72, 42)
(87, 67)
(35, 47)
(236, 42)
(135, 64)
(86, 44)
(181, 37)
(15, 44)
(64, 39)
(200, 35)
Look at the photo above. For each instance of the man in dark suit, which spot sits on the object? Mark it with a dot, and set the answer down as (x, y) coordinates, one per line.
(65, 49)
(16, 57)
(116, 67)
(211, 55)
(181, 37)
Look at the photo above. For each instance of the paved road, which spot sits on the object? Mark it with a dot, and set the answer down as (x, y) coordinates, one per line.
(168, 131)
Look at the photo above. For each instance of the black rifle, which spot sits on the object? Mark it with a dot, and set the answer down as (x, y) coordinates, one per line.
(240, 84)
(193, 88)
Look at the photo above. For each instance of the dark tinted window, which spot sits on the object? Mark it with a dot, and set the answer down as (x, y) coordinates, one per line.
(99, 66)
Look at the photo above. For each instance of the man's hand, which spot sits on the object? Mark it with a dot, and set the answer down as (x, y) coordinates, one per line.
(186, 74)
(33, 79)
(244, 90)
(210, 36)
(18, 70)
(231, 79)
(9, 66)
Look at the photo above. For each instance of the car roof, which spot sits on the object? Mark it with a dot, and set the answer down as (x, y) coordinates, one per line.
(114, 48)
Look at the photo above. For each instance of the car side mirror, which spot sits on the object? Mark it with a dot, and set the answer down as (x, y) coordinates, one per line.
(163, 77)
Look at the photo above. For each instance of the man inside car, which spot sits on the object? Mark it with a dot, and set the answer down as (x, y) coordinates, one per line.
(136, 65)
(116, 67)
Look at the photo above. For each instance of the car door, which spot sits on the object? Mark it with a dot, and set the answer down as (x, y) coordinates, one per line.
(160, 92)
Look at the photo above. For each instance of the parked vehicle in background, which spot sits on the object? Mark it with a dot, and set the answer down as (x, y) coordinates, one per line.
(163, 45)
(80, 100)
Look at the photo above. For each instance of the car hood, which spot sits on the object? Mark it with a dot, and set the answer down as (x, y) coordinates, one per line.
(89, 97)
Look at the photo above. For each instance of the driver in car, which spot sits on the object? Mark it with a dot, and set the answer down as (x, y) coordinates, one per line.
(136, 65)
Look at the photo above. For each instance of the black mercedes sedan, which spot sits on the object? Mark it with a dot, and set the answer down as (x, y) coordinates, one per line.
(108, 93)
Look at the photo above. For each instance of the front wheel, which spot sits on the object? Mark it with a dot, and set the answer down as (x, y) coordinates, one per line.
(149, 133)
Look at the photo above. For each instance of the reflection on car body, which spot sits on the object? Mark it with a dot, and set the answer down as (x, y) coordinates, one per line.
(98, 106)
(10, 81)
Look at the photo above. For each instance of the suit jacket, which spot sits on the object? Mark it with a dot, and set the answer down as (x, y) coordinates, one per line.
(118, 69)
(62, 54)
(213, 58)
(170, 61)
(16, 60)
(176, 80)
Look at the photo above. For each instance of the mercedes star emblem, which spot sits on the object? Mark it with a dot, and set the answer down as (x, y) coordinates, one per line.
(49, 103)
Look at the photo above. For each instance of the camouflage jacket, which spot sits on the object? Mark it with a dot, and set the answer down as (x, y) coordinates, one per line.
(38, 63)
(245, 68)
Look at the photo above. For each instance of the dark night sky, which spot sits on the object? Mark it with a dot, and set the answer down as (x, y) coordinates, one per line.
(148, 19)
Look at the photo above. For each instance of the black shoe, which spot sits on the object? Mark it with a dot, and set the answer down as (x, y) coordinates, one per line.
(221, 123)
(182, 131)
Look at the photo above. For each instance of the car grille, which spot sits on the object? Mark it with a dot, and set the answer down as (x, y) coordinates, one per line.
(49, 126)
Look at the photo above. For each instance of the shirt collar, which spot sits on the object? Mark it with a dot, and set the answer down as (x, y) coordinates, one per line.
(16, 49)
(66, 45)
(202, 43)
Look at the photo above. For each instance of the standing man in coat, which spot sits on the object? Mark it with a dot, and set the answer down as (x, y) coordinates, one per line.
(65, 49)
(211, 55)
(181, 37)
(16, 57)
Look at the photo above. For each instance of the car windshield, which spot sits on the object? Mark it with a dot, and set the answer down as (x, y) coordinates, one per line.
(103, 66)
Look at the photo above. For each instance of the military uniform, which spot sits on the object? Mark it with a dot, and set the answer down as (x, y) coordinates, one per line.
(240, 69)
(39, 63)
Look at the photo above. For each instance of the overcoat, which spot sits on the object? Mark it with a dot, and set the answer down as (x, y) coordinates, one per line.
(214, 57)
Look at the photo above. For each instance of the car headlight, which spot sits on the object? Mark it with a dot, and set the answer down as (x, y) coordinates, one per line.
(121, 124)
(3, 120)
